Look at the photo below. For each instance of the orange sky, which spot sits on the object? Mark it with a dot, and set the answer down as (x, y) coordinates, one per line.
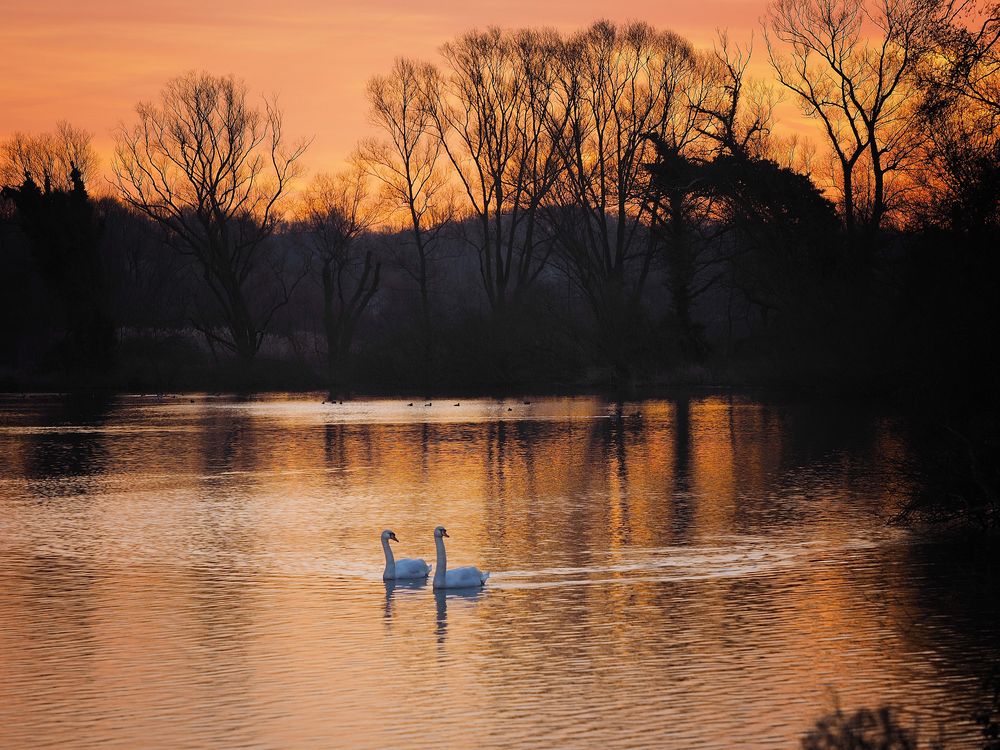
(91, 62)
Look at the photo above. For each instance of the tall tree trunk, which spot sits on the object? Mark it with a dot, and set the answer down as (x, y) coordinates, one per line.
(427, 343)
(332, 328)
(680, 280)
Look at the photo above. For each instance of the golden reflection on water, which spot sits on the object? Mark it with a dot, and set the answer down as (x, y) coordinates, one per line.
(686, 573)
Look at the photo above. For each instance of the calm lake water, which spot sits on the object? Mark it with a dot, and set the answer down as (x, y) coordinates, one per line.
(704, 572)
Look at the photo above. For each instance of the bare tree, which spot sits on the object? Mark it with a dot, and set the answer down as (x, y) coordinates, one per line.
(498, 120)
(965, 39)
(851, 62)
(335, 213)
(960, 112)
(737, 111)
(406, 163)
(731, 115)
(794, 151)
(622, 87)
(48, 158)
(213, 170)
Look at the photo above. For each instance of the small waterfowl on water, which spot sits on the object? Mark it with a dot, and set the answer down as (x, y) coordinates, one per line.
(398, 570)
(457, 578)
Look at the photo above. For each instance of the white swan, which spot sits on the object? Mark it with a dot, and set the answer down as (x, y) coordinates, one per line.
(457, 578)
(400, 569)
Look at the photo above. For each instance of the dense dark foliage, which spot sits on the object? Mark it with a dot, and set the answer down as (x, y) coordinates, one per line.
(61, 235)
(865, 729)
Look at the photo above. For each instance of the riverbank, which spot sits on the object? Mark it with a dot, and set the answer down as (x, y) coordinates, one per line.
(185, 374)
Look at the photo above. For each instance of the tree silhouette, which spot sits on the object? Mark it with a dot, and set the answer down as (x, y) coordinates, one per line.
(213, 170)
(49, 158)
(858, 90)
(334, 215)
(497, 115)
(620, 85)
(63, 234)
(406, 165)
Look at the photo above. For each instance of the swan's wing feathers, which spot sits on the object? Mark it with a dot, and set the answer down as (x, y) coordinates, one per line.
(410, 568)
(466, 576)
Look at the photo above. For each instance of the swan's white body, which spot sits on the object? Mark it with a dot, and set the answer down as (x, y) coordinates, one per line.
(396, 570)
(457, 578)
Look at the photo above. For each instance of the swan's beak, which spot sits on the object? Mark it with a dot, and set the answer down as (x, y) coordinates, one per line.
(444, 533)
(393, 537)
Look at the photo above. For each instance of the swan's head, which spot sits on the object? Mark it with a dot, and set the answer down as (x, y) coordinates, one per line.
(440, 531)
(389, 535)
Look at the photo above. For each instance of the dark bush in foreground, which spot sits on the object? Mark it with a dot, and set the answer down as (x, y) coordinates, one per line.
(865, 729)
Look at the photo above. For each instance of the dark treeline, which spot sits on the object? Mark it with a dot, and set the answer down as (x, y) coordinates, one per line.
(611, 208)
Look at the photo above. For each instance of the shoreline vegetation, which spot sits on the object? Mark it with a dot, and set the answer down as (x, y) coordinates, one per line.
(262, 376)
(611, 210)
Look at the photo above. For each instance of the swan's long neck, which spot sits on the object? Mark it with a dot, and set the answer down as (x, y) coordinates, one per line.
(390, 561)
(442, 561)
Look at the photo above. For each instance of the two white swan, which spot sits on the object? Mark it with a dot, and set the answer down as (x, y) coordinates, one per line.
(457, 578)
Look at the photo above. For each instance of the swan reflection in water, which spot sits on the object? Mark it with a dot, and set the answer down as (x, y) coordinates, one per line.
(441, 597)
(408, 587)
(415, 587)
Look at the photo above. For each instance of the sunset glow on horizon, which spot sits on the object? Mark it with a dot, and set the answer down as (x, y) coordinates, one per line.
(91, 65)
